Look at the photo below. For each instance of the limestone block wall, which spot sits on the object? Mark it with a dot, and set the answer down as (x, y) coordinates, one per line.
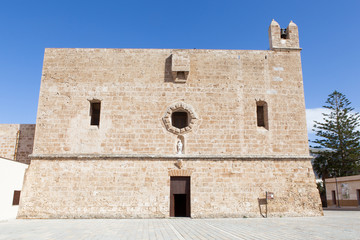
(140, 188)
(136, 87)
(26, 143)
(16, 141)
(8, 135)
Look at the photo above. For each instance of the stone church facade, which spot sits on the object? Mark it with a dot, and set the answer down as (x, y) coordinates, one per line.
(156, 133)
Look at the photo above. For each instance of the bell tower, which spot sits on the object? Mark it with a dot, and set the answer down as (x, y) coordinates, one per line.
(284, 38)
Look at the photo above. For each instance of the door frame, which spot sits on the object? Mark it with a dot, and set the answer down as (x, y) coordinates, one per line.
(186, 191)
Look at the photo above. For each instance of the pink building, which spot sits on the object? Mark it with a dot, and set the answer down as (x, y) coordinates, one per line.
(343, 191)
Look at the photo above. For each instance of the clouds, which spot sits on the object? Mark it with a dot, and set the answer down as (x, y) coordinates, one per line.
(314, 114)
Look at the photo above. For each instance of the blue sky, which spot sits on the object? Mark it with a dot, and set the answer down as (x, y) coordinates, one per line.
(329, 35)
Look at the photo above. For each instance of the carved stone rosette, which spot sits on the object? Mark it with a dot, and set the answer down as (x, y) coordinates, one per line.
(180, 106)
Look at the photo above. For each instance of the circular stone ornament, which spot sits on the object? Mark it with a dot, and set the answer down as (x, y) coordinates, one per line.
(179, 107)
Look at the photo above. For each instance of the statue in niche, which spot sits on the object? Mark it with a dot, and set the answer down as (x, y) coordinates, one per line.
(179, 147)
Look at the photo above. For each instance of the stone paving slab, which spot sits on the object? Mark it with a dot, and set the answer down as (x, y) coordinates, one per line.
(334, 225)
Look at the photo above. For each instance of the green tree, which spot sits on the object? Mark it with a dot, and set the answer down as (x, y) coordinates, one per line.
(323, 164)
(339, 137)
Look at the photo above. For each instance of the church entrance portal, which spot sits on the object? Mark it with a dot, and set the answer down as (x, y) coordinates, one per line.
(179, 196)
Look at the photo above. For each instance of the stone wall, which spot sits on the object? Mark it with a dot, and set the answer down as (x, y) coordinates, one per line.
(16, 141)
(136, 88)
(121, 167)
(8, 136)
(140, 188)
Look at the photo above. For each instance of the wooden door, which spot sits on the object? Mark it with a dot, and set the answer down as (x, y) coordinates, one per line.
(179, 196)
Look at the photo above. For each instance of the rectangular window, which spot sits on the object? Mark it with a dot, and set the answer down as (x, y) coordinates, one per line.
(16, 198)
(95, 113)
(260, 116)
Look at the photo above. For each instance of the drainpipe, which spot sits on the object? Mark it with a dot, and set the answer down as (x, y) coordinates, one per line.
(337, 192)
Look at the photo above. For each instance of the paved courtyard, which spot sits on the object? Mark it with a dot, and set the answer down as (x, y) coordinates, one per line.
(334, 225)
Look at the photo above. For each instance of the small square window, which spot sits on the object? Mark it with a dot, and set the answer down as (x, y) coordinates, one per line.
(180, 75)
(179, 119)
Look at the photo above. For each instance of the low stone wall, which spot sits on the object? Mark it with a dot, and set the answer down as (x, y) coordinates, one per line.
(8, 136)
(140, 188)
(16, 141)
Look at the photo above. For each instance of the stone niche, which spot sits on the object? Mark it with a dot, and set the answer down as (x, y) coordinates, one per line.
(180, 65)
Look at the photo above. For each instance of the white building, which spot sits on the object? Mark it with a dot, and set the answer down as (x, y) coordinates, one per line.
(11, 182)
